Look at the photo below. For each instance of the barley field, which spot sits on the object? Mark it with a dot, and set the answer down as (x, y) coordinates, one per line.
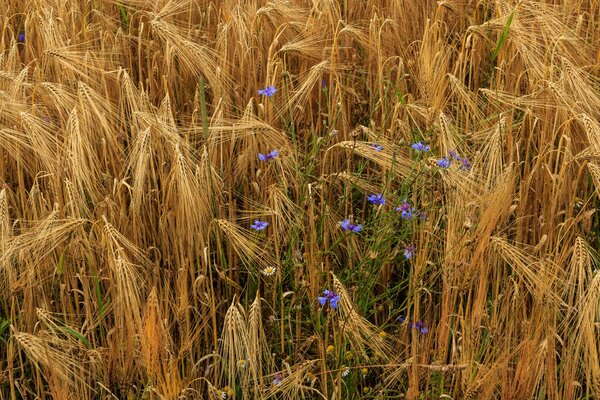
(303, 199)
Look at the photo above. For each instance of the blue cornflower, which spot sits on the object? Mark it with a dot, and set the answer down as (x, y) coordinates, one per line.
(330, 296)
(408, 252)
(269, 91)
(376, 199)
(400, 319)
(444, 162)
(21, 37)
(465, 164)
(268, 156)
(376, 147)
(419, 146)
(277, 379)
(349, 226)
(453, 154)
(420, 326)
(407, 210)
(259, 225)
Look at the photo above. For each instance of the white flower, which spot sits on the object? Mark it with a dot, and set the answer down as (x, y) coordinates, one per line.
(269, 271)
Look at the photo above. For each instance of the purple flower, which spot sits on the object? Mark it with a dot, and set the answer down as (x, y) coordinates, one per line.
(330, 296)
(323, 83)
(333, 302)
(268, 156)
(400, 319)
(420, 326)
(277, 379)
(376, 199)
(376, 147)
(21, 37)
(444, 162)
(407, 210)
(465, 164)
(419, 146)
(269, 91)
(408, 252)
(259, 225)
(349, 226)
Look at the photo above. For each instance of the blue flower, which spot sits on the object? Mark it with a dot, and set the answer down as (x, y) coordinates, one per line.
(420, 326)
(400, 319)
(419, 146)
(21, 37)
(408, 252)
(376, 147)
(349, 226)
(259, 225)
(444, 162)
(330, 296)
(407, 210)
(268, 156)
(269, 91)
(277, 379)
(376, 199)
(333, 303)
(465, 164)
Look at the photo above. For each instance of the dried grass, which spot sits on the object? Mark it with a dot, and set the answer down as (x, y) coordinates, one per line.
(129, 178)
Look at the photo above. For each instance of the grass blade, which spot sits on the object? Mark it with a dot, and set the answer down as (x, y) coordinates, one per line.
(503, 36)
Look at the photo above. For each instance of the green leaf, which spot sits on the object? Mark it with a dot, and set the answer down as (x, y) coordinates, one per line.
(503, 35)
(124, 15)
(103, 308)
(78, 335)
(400, 96)
(101, 305)
(3, 325)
